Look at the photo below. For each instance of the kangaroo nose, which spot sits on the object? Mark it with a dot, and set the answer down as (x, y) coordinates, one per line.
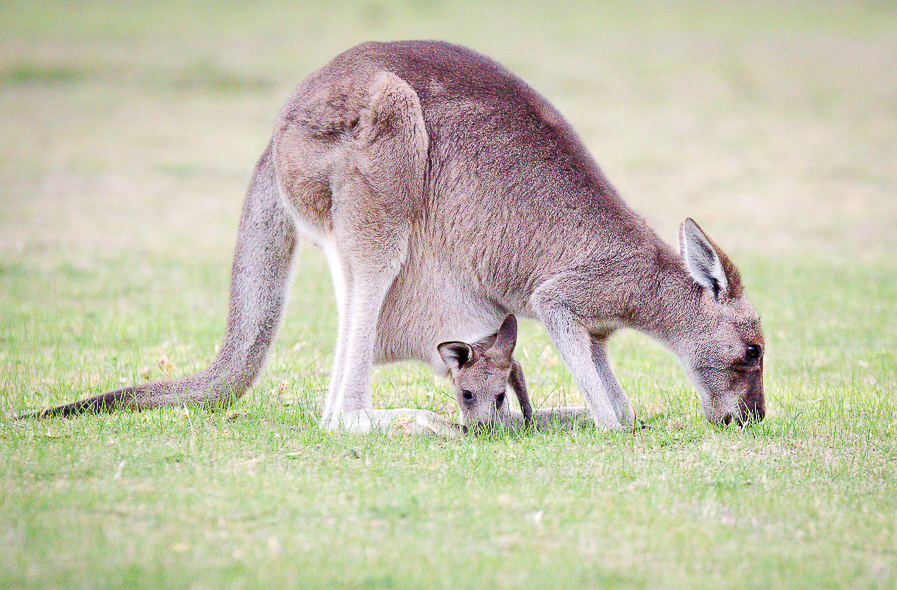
(752, 413)
(759, 413)
(753, 404)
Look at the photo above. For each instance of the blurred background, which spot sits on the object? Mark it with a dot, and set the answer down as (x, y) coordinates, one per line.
(773, 123)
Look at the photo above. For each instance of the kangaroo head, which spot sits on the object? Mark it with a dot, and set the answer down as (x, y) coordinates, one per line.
(722, 344)
(480, 373)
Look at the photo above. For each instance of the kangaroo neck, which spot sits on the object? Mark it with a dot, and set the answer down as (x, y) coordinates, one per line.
(655, 295)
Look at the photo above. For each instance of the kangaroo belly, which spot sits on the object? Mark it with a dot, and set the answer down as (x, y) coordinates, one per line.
(425, 306)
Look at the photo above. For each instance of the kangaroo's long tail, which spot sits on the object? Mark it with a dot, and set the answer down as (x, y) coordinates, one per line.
(266, 243)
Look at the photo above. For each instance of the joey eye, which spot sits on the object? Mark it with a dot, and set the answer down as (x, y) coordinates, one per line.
(467, 395)
(753, 352)
(499, 399)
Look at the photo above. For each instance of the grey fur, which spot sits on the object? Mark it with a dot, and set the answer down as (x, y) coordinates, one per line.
(446, 193)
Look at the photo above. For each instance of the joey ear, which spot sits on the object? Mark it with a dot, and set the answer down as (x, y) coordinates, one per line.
(518, 384)
(455, 354)
(506, 338)
(702, 259)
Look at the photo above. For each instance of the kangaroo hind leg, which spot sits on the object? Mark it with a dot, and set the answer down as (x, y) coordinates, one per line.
(377, 196)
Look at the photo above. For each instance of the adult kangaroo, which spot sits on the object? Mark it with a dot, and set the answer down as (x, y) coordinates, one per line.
(445, 194)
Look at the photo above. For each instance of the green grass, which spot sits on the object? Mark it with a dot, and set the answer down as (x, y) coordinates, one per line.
(127, 137)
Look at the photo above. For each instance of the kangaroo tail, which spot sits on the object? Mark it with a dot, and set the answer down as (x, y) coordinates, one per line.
(266, 243)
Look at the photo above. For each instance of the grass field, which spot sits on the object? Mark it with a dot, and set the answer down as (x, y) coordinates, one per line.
(127, 137)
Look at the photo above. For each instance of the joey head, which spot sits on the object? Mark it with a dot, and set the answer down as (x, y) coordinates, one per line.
(482, 372)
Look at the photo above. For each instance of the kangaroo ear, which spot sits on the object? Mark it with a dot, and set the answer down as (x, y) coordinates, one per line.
(455, 354)
(506, 339)
(702, 259)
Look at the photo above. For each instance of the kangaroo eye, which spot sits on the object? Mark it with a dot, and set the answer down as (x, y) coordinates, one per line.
(499, 399)
(753, 352)
(467, 395)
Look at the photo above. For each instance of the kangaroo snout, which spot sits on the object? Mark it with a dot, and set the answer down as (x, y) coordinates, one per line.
(752, 405)
(743, 405)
